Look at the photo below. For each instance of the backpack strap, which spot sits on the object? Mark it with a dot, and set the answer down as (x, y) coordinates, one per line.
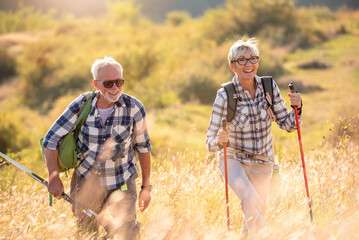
(84, 112)
(231, 100)
(267, 83)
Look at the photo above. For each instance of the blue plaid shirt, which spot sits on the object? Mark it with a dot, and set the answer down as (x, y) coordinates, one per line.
(125, 131)
(250, 129)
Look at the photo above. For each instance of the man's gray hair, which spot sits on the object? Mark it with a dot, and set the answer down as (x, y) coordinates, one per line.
(102, 63)
(241, 46)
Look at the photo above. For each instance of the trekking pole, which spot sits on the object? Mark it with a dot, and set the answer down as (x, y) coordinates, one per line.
(292, 89)
(88, 212)
(224, 125)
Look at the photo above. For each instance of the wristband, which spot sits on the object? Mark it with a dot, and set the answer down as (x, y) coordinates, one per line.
(148, 188)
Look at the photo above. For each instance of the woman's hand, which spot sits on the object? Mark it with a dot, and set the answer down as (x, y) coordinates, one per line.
(295, 99)
(222, 136)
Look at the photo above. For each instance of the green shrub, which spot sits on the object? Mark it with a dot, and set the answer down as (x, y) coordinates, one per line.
(217, 25)
(200, 89)
(12, 135)
(35, 67)
(124, 11)
(26, 19)
(177, 18)
(7, 65)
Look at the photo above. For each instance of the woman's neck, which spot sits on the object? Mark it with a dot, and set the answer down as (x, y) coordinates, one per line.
(248, 84)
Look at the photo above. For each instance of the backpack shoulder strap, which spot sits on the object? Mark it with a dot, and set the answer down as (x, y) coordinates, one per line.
(231, 101)
(84, 112)
(267, 83)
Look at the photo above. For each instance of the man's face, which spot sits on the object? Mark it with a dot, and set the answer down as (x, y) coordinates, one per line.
(110, 73)
(244, 66)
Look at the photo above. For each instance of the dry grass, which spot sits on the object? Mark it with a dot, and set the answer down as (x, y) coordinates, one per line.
(189, 202)
(189, 198)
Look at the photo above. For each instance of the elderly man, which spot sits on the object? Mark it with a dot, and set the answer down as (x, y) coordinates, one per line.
(113, 131)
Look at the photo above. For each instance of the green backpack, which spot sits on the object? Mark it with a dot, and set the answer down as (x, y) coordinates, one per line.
(69, 153)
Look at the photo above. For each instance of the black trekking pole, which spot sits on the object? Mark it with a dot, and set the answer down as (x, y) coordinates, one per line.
(224, 125)
(292, 89)
(88, 212)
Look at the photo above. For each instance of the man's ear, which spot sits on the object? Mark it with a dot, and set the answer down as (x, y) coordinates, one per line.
(95, 84)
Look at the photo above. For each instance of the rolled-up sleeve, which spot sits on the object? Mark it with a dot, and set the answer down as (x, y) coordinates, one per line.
(284, 118)
(141, 137)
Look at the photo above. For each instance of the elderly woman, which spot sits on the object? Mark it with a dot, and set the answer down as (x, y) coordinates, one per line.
(248, 137)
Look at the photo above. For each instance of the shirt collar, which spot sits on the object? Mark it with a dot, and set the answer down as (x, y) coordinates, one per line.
(119, 103)
(259, 82)
(238, 86)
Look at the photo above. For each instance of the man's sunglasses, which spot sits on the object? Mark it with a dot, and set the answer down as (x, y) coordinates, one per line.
(109, 84)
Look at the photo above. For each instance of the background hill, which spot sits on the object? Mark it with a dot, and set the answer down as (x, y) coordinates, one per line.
(154, 9)
(175, 68)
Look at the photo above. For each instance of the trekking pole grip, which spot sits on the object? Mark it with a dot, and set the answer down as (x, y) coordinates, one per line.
(224, 124)
(291, 87)
(292, 90)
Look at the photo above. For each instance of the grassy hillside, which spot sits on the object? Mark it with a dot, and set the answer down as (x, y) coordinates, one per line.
(188, 200)
(175, 68)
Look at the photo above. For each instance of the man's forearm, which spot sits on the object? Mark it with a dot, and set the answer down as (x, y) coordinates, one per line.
(145, 162)
(51, 162)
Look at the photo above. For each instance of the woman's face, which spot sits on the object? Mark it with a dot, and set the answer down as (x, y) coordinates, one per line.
(246, 66)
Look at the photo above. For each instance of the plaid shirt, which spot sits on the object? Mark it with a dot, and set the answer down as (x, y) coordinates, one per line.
(125, 130)
(250, 129)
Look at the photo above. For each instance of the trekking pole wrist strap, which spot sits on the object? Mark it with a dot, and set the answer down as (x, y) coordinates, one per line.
(148, 187)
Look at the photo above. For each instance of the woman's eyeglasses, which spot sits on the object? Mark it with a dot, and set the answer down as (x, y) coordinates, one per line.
(109, 84)
(243, 61)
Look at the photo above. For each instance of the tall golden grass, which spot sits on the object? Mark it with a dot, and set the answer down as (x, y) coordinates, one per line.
(189, 201)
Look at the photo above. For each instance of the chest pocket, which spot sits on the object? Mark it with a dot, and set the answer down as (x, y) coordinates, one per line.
(241, 118)
(264, 111)
(91, 131)
(122, 130)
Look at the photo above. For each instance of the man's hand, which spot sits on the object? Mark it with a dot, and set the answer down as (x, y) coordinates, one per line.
(55, 185)
(144, 199)
(222, 136)
(295, 99)
(56, 188)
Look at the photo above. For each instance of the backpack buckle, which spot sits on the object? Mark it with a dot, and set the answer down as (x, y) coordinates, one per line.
(79, 155)
(236, 96)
